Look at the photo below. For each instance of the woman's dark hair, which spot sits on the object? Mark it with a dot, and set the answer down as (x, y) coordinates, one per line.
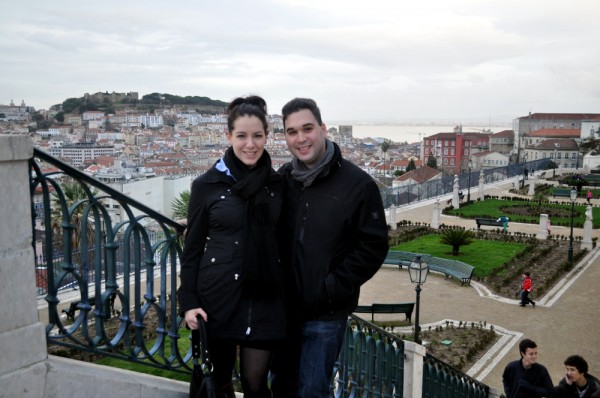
(249, 106)
(578, 362)
(299, 104)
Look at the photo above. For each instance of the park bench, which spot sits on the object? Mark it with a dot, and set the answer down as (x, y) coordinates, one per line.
(561, 192)
(397, 308)
(488, 221)
(455, 269)
(74, 306)
(399, 258)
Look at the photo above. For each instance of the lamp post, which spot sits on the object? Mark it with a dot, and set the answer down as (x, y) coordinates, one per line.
(418, 270)
(573, 198)
(555, 161)
(469, 187)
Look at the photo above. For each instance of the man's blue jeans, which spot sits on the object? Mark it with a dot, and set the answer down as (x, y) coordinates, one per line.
(308, 360)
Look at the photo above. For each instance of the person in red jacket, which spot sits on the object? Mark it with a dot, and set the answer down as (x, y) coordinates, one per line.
(526, 288)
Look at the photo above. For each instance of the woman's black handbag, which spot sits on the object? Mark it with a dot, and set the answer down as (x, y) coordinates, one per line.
(203, 383)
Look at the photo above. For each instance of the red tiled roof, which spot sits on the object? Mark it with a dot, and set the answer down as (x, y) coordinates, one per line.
(419, 175)
(555, 133)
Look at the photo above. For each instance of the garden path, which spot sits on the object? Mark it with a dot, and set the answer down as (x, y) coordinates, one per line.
(565, 321)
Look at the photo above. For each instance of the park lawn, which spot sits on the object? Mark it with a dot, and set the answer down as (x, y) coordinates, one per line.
(490, 208)
(184, 344)
(484, 255)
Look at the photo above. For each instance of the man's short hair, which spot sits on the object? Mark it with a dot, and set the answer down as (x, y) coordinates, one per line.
(299, 104)
(525, 344)
(578, 362)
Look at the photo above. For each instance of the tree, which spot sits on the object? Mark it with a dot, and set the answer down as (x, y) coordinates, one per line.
(385, 145)
(590, 145)
(180, 205)
(456, 237)
(73, 192)
(432, 162)
(60, 117)
(398, 173)
(411, 165)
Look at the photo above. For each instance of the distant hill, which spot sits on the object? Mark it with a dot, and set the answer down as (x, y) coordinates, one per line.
(111, 102)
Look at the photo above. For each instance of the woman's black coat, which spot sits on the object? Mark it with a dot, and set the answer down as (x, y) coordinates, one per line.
(212, 266)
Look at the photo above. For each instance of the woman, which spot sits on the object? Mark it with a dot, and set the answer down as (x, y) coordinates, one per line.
(230, 271)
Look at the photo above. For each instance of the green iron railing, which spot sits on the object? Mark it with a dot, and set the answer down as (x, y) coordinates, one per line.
(442, 380)
(125, 273)
(371, 362)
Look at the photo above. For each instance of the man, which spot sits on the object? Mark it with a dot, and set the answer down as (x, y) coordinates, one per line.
(525, 378)
(333, 239)
(577, 383)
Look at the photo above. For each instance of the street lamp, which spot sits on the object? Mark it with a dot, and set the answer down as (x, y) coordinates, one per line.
(418, 270)
(555, 161)
(469, 187)
(573, 198)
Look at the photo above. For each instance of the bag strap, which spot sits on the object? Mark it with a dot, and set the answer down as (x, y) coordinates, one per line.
(200, 347)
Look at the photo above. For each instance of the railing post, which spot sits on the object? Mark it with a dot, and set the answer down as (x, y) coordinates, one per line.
(22, 336)
(413, 369)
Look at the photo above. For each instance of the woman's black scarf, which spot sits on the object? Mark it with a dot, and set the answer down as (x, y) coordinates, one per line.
(259, 246)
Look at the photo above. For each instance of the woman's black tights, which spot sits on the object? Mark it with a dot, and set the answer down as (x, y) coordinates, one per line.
(254, 367)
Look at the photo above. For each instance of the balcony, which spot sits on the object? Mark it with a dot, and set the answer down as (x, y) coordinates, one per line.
(60, 252)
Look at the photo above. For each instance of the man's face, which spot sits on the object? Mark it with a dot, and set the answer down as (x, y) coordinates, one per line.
(529, 357)
(305, 138)
(574, 376)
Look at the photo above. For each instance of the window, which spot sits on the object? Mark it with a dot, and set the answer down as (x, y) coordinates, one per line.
(452, 161)
(445, 151)
(574, 155)
(445, 161)
(543, 155)
(452, 151)
(453, 142)
(558, 155)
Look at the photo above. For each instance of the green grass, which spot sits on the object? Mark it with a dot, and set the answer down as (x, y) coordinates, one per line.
(184, 344)
(484, 255)
(490, 208)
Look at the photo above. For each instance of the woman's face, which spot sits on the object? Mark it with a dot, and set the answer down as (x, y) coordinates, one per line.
(248, 139)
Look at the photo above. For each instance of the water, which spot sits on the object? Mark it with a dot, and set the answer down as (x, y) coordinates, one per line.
(412, 133)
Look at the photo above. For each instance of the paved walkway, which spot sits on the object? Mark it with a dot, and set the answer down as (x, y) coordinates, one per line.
(564, 322)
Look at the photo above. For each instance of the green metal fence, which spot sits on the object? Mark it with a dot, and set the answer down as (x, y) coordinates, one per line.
(441, 380)
(371, 363)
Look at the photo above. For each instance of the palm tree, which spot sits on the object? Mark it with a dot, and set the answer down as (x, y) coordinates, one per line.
(180, 205)
(73, 192)
(456, 237)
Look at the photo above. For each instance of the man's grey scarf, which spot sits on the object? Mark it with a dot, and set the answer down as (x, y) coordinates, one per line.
(307, 176)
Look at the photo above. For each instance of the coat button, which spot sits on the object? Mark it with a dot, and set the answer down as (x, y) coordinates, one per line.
(212, 260)
(236, 243)
(222, 196)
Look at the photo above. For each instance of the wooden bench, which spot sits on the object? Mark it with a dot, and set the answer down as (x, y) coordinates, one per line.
(455, 269)
(561, 192)
(488, 221)
(399, 258)
(397, 308)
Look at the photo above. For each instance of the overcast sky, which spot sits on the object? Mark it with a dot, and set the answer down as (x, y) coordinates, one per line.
(372, 60)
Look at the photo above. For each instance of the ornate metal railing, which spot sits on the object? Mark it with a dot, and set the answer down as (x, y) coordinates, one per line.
(371, 362)
(124, 273)
(408, 194)
(442, 380)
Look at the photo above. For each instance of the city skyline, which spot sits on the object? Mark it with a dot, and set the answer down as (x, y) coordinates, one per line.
(384, 61)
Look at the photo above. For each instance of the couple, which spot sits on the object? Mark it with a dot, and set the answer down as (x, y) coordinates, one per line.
(526, 378)
(274, 262)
